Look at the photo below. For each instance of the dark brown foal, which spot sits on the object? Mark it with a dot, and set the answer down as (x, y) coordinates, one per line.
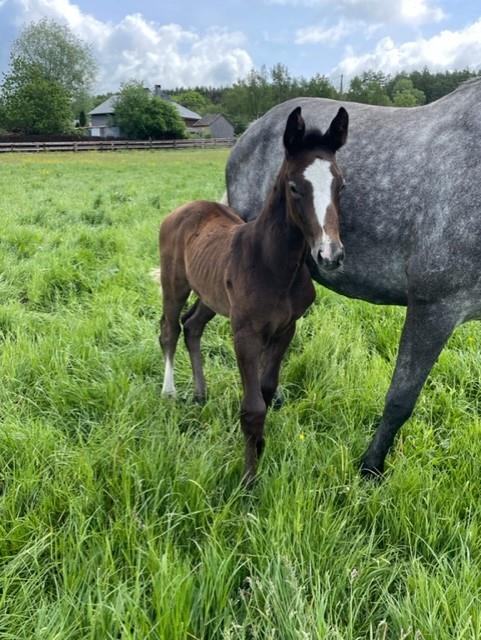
(255, 273)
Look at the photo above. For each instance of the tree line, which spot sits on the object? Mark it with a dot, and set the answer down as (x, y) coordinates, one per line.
(47, 90)
(249, 98)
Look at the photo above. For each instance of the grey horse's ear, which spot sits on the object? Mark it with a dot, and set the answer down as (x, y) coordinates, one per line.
(336, 135)
(294, 132)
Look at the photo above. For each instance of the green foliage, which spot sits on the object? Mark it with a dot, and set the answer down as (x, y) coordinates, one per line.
(46, 85)
(58, 53)
(141, 115)
(33, 103)
(82, 121)
(194, 101)
(3, 114)
(250, 98)
(122, 513)
(437, 85)
(369, 88)
(100, 97)
(404, 94)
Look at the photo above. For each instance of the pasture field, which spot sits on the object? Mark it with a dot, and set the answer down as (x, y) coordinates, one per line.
(121, 514)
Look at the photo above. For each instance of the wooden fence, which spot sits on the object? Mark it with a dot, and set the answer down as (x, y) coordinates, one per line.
(115, 145)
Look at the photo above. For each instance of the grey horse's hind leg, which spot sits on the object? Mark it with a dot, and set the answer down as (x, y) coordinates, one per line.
(426, 331)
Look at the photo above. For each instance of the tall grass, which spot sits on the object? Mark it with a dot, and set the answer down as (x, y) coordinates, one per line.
(122, 516)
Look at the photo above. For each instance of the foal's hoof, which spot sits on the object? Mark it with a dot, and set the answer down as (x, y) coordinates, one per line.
(370, 470)
(200, 398)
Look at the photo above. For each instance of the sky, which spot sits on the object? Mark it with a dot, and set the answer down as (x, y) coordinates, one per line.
(215, 42)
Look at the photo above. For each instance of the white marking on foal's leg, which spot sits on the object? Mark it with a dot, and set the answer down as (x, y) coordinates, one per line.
(168, 388)
(224, 199)
(155, 274)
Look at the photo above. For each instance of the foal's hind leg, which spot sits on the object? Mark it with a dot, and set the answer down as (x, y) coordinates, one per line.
(173, 299)
(426, 330)
(194, 324)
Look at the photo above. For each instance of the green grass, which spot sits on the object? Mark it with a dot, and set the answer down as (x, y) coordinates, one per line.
(121, 514)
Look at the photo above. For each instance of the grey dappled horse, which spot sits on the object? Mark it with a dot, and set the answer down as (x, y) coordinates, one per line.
(410, 222)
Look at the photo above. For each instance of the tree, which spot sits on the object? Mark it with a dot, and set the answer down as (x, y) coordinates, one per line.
(141, 115)
(3, 116)
(58, 53)
(369, 88)
(33, 103)
(405, 95)
(82, 119)
(46, 85)
(437, 85)
(318, 87)
(194, 101)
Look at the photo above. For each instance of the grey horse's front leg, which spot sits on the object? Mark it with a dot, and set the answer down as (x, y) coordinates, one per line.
(426, 331)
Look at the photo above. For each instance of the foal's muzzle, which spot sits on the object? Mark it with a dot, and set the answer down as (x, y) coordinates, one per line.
(331, 257)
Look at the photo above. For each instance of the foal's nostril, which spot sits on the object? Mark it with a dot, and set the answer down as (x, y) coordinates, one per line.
(334, 258)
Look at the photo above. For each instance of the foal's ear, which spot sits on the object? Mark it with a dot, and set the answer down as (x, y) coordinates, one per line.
(295, 129)
(336, 135)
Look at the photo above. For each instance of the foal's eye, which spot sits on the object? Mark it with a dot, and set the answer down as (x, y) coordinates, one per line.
(294, 190)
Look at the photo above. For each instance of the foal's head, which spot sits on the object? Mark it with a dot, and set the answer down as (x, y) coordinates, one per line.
(313, 184)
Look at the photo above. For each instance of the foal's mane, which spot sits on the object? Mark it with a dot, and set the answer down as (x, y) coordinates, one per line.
(313, 139)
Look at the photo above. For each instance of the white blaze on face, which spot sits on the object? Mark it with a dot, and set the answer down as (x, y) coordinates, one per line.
(319, 175)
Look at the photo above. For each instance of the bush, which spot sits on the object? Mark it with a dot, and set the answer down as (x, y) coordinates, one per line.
(141, 115)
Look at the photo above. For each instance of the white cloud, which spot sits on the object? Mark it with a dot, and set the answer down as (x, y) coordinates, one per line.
(412, 12)
(135, 48)
(324, 34)
(447, 50)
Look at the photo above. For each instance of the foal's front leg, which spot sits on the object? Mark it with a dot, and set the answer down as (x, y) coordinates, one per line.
(248, 347)
(273, 356)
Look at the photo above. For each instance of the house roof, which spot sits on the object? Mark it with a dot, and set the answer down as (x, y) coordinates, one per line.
(108, 107)
(184, 112)
(207, 120)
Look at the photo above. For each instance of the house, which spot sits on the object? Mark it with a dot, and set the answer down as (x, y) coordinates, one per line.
(101, 118)
(215, 125)
(189, 117)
